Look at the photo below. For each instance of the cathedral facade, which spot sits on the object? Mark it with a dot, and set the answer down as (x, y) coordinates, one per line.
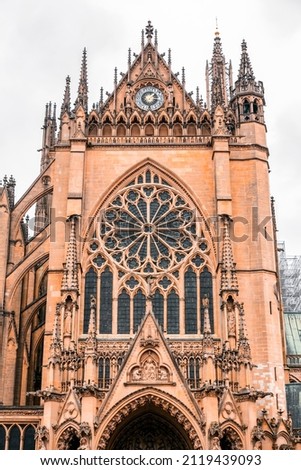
(144, 309)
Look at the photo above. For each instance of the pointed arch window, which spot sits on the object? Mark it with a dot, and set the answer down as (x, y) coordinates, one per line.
(14, 438)
(255, 107)
(90, 289)
(190, 287)
(107, 130)
(246, 107)
(29, 438)
(158, 307)
(193, 372)
(173, 313)
(135, 130)
(139, 309)
(121, 130)
(149, 130)
(163, 130)
(104, 373)
(191, 129)
(106, 297)
(123, 314)
(177, 130)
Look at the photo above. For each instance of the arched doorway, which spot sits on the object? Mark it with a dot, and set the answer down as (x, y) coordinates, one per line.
(149, 429)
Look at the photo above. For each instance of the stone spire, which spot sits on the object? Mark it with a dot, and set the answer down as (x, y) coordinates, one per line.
(229, 281)
(245, 73)
(218, 73)
(55, 345)
(70, 277)
(66, 105)
(82, 94)
(49, 130)
(246, 84)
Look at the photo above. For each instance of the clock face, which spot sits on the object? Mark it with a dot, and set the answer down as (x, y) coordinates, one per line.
(149, 98)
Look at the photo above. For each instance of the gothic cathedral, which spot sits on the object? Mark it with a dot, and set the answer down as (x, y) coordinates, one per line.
(142, 310)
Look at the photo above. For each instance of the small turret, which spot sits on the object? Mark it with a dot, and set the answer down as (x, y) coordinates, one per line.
(247, 96)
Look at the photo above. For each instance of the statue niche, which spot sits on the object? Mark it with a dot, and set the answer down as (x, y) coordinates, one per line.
(149, 369)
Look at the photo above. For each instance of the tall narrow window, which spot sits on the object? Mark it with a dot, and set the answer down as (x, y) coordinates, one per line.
(206, 291)
(158, 307)
(29, 441)
(90, 289)
(190, 302)
(104, 372)
(2, 437)
(246, 107)
(139, 309)
(106, 294)
(173, 313)
(123, 315)
(14, 438)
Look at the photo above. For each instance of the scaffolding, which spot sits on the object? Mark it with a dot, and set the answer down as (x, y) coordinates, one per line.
(290, 280)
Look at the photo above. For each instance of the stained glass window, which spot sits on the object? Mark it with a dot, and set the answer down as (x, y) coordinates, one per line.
(158, 307)
(29, 438)
(106, 292)
(90, 289)
(173, 313)
(153, 230)
(190, 302)
(123, 316)
(139, 309)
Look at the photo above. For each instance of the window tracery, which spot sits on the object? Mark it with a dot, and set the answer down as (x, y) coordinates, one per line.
(148, 247)
(148, 227)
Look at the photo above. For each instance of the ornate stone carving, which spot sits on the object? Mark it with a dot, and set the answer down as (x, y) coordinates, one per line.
(42, 437)
(158, 402)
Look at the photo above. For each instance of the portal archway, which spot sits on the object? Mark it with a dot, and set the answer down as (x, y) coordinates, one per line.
(148, 429)
(149, 422)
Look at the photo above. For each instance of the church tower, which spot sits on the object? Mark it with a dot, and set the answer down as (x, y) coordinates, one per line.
(143, 312)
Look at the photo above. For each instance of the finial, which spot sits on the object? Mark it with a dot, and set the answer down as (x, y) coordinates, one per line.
(142, 38)
(183, 75)
(101, 96)
(216, 27)
(66, 105)
(197, 94)
(82, 95)
(129, 56)
(243, 45)
(156, 37)
(115, 76)
(169, 57)
(149, 31)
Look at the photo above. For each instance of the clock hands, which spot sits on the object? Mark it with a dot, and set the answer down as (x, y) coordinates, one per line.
(150, 97)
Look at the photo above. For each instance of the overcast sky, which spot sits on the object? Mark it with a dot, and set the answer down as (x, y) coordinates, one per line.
(41, 42)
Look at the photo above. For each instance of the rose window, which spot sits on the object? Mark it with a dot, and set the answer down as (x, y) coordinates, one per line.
(148, 228)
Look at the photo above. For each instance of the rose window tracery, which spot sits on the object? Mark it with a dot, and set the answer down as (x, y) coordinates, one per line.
(148, 228)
